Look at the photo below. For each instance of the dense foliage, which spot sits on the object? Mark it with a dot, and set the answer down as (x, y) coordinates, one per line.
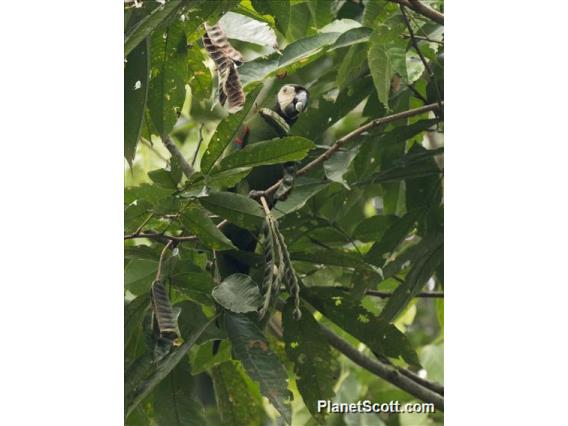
(363, 229)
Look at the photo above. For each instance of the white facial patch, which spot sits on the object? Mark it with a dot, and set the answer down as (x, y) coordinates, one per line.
(286, 96)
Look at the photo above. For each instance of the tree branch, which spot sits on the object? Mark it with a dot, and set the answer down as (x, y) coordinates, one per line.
(176, 153)
(384, 371)
(422, 9)
(427, 11)
(350, 136)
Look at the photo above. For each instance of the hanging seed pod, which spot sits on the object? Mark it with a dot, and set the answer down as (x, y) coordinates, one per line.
(165, 320)
(290, 277)
(227, 59)
(217, 45)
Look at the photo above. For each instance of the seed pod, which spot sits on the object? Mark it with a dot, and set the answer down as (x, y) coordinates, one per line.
(227, 59)
(164, 317)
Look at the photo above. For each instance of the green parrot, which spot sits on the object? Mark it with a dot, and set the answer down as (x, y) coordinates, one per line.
(265, 124)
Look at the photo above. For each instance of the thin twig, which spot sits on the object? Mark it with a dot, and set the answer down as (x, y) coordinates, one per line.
(159, 270)
(176, 153)
(424, 38)
(423, 59)
(160, 237)
(199, 142)
(139, 229)
(352, 135)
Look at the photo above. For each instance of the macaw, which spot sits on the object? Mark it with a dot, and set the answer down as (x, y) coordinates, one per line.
(265, 124)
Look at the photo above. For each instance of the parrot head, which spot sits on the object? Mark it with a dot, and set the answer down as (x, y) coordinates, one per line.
(292, 99)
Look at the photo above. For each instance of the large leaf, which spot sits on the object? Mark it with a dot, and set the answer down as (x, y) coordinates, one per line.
(238, 402)
(226, 133)
(240, 27)
(139, 275)
(314, 365)
(238, 293)
(421, 271)
(413, 254)
(175, 401)
(393, 236)
(169, 76)
(198, 222)
(236, 208)
(386, 56)
(304, 190)
(381, 336)
(274, 151)
(136, 76)
(321, 12)
(262, 365)
(373, 228)
(146, 26)
(261, 68)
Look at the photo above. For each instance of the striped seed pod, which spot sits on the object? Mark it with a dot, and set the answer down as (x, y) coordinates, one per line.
(227, 59)
(165, 320)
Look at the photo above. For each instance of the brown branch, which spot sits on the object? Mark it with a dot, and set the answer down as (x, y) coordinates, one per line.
(422, 9)
(350, 136)
(384, 371)
(176, 153)
(427, 11)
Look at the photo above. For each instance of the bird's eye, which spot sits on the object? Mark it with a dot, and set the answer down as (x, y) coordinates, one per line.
(285, 89)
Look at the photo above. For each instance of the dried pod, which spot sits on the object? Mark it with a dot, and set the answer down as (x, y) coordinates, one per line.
(165, 319)
(226, 59)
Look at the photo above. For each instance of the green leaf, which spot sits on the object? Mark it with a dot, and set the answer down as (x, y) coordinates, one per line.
(236, 208)
(169, 76)
(331, 257)
(238, 293)
(175, 401)
(225, 134)
(274, 151)
(146, 26)
(202, 359)
(386, 56)
(373, 228)
(163, 178)
(244, 28)
(352, 37)
(304, 190)
(136, 76)
(262, 365)
(336, 167)
(413, 254)
(393, 236)
(381, 336)
(321, 12)
(421, 271)
(354, 64)
(315, 367)
(238, 401)
(139, 275)
(198, 222)
(261, 68)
